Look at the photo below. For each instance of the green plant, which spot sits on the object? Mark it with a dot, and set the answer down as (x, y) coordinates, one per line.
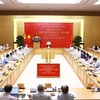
(19, 40)
(77, 41)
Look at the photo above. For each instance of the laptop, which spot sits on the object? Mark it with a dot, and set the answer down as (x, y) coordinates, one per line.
(49, 89)
(32, 90)
(14, 91)
(1, 89)
(21, 95)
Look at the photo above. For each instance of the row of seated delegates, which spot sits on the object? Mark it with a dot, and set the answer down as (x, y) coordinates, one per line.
(82, 55)
(23, 50)
(93, 61)
(75, 51)
(19, 53)
(95, 48)
(42, 96)
(38, 96)
(4, 47)
(14, 56)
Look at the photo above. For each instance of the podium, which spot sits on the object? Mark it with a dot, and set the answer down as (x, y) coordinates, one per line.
(36, 41)
(36, 45)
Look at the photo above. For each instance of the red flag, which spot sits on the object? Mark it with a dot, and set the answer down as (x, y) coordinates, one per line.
(25, 39)
(29, 40)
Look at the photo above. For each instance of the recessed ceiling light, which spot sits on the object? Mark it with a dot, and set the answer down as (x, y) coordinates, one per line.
(97, 3)
(1, 2)
(50, 1)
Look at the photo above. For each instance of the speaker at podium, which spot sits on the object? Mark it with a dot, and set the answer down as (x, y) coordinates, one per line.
(36, 41)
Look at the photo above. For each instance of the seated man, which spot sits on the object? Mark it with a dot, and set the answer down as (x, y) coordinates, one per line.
(6, 95)
(95, 47)
(95, 63)
(65, 95)
(40, 95)
(5, 60)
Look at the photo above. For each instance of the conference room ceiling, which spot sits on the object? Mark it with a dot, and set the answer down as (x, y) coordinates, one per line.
(14, 5)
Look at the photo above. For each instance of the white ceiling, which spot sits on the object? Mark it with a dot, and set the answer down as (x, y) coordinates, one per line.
(84, 5)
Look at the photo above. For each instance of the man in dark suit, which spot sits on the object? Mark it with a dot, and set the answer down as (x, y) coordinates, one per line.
(40, 95)
(65, 95)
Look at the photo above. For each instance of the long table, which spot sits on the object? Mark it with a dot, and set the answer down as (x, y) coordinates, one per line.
(94, 53)
(85, 77)
(80, 93)
(14, 74)
(80, 71)
(5, 51)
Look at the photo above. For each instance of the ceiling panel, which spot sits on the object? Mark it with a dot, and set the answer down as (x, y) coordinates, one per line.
(84, 5)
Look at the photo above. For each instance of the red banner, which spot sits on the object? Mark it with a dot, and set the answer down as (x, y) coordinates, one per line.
(48, 70)
(59, 34)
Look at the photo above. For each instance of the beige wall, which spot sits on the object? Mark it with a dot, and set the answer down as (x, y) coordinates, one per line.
(91, 31)
(6, 30)
(10, 24)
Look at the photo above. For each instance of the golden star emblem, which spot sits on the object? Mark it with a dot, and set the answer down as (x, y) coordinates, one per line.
(28, 36)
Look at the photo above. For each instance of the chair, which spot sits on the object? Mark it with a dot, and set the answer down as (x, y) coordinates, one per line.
(0, 62)
(2, 57)
(48, 85)
(21, 85)
(6, 46)
(89, 85)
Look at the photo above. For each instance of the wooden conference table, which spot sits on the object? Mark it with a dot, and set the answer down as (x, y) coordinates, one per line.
(94, 53)
(5, 51)
(84, 76)
(13, 75)
(79, 93)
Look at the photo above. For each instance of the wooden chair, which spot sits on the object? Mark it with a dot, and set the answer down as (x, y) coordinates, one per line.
(21, 85)
(89, 85)
(48, 85)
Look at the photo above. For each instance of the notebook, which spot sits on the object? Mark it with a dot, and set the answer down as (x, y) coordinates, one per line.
(14, 91)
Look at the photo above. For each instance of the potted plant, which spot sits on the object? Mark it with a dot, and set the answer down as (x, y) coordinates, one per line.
(20, 40)
(77, 41)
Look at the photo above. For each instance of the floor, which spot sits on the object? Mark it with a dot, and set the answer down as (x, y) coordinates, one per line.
(67, 75)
